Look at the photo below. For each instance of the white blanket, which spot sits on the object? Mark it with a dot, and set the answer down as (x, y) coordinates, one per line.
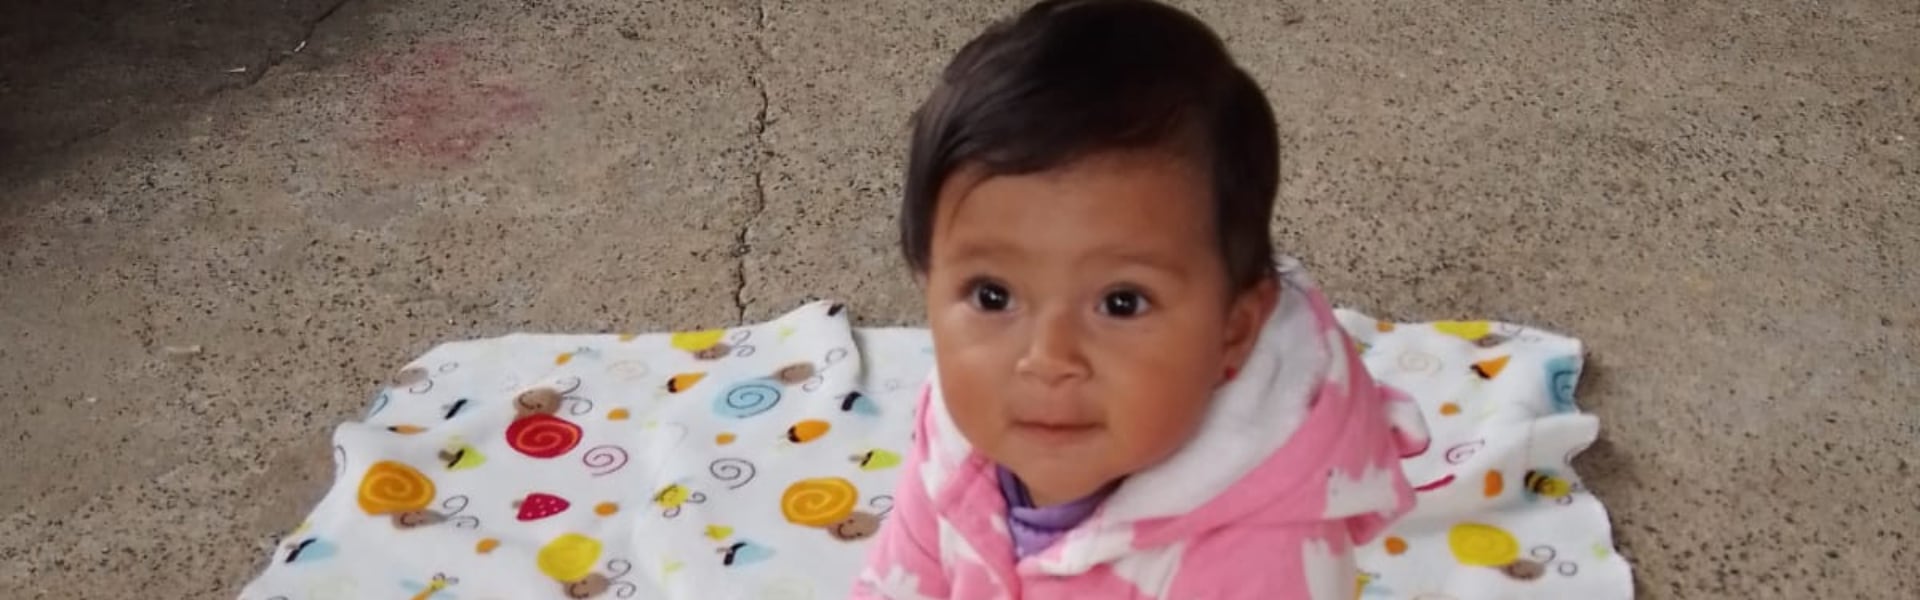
(751, 462)
(1500, 512)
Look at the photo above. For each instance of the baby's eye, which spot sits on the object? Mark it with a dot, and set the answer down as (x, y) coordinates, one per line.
(1124, 304)
(991, 297)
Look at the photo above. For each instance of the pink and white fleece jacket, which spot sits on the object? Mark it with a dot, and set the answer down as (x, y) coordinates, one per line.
(1295, 464)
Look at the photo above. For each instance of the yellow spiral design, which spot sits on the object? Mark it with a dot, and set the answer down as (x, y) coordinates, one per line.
(569, 557)
(1482, 545)
(391, 487)
(819, 502)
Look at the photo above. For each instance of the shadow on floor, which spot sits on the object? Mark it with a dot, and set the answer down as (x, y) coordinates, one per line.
(75, 69)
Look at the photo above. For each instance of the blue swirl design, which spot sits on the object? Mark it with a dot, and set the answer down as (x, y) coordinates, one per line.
(1563, 374)
(747, 398)
(379, 404)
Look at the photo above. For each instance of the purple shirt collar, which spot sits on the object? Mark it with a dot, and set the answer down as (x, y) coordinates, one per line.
(1034, 529)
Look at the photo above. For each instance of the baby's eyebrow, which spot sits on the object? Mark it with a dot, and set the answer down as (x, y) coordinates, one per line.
(976, 250)
(1133, 255)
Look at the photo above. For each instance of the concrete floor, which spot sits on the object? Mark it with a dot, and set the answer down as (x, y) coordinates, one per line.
(1722, 198)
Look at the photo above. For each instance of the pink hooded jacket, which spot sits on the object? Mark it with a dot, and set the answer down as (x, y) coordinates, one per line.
(1296, 463)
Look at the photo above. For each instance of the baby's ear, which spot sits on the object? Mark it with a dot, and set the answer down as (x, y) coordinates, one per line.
(1247, 316)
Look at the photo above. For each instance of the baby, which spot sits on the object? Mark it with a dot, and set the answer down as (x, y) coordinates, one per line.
(1133, 398)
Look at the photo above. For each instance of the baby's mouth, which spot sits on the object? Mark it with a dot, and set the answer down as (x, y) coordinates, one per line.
(1054, 432)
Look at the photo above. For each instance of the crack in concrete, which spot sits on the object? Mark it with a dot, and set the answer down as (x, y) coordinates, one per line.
(757, 200)
(63, 145)
(283, 55)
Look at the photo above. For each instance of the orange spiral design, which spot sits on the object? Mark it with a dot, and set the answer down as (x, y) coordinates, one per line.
(391, 487)
(819, 502)
(543, 436)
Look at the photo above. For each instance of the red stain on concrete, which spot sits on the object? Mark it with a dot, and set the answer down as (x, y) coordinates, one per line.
(439, 106)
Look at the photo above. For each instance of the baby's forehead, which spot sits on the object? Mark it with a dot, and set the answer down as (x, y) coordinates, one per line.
(1173, 176)
(1117, 213)
(1092, 188)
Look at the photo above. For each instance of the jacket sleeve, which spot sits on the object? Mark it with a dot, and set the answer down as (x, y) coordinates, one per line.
(1309, 561)
(904, 563)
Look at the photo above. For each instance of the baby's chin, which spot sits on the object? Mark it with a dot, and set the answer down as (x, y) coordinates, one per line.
(1056, 473)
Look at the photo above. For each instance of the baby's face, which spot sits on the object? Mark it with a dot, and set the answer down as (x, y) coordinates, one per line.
(1082, 317)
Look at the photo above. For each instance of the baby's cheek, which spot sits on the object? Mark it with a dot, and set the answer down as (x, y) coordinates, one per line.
(1153, 424)
(974, 406)
(978, 425)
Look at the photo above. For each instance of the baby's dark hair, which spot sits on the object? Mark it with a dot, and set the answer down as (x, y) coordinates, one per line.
(1070, 78)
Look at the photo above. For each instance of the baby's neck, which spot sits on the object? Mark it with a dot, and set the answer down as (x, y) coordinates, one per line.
(1018, 494)
(1036, 525)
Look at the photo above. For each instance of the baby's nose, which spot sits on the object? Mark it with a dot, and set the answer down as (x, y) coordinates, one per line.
(1053, 350)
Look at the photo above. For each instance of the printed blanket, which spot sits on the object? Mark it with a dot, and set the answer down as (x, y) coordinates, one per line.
(752, 462)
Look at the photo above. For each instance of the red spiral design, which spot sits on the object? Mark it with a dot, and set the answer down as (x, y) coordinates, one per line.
(543, 436)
